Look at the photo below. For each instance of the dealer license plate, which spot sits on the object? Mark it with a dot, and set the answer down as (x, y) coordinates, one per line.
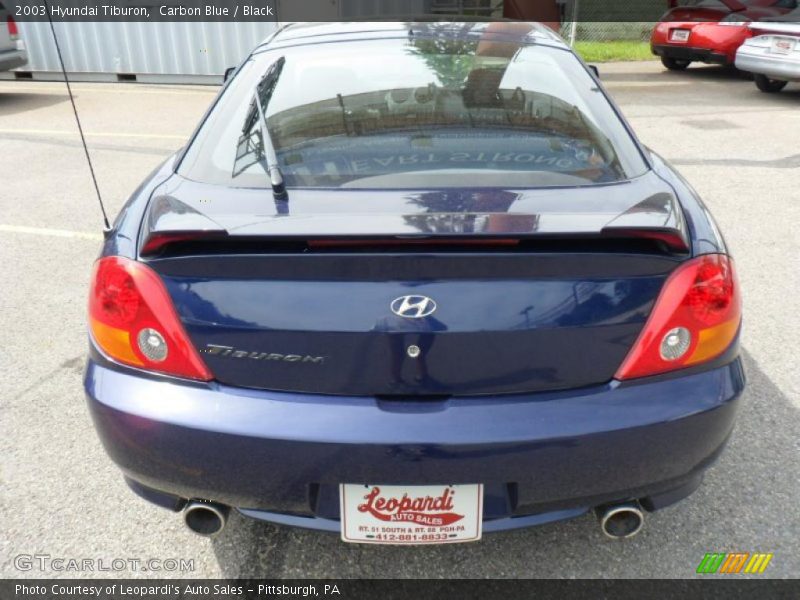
(679, 35)
(782, 45)
(411, 514)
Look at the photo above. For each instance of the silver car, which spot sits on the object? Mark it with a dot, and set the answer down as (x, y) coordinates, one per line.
(12, 48)
(773, 54)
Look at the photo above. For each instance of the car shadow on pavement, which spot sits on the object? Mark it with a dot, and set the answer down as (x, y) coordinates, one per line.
(12, 103)
(697, 72)
(711, 73)
(746, 504)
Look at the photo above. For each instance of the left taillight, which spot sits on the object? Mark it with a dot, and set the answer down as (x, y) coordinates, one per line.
(695, 319)
(133, 321)
(13, 31)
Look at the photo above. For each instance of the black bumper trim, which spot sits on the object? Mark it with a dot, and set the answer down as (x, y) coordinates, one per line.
(688, 53)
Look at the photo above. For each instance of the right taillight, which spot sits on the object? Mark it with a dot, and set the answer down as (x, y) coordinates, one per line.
(695, 319)
(13, 32)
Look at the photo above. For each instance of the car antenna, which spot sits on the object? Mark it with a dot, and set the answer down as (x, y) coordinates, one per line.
(106, 225)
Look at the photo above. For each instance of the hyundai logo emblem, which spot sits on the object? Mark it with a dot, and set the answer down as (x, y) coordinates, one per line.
(413, 307)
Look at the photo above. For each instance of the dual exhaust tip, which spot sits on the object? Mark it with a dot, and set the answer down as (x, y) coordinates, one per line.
(205, 518)
(617, 521)
(621, 520)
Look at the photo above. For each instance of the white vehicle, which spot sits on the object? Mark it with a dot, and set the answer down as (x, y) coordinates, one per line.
(12, 48)
(773, 53)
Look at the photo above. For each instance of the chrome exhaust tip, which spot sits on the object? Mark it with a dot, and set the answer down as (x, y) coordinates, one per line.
(621, 520)
(205, 518)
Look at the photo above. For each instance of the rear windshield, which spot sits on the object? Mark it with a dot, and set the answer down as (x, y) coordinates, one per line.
(416, 112)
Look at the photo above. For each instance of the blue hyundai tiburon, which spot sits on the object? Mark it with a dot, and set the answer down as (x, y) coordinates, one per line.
(413, 283)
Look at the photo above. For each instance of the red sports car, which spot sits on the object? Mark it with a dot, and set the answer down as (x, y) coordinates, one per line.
(710, 31)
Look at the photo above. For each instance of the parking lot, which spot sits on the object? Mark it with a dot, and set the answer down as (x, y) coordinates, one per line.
(61, 496)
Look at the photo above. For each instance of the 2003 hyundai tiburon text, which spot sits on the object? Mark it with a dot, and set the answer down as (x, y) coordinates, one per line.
(413, 283)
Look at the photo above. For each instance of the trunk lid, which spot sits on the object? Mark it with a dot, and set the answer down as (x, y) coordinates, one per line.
(414, 294)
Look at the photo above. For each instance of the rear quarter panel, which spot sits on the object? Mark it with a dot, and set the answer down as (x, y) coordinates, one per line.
(705, 235)
(721, 38)
(122, 240)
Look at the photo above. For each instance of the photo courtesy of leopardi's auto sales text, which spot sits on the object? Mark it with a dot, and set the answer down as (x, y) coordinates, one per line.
(349, 299)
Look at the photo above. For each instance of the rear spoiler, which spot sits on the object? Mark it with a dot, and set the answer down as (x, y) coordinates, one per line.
(776, 26)
(657, 219)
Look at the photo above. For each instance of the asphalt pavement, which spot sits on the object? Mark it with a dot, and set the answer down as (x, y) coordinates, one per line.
(61, 497)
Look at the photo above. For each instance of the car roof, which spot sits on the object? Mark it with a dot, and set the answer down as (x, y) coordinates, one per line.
(505, 30)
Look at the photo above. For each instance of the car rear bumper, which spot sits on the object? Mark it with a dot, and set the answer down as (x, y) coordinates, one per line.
(541, 457)
(11, 59)
(694, 54)
(756, 60)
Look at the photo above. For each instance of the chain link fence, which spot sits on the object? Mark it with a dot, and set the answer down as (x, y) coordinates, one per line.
(607, 31)
(591, 20)
(475, 8)
(603, 20)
